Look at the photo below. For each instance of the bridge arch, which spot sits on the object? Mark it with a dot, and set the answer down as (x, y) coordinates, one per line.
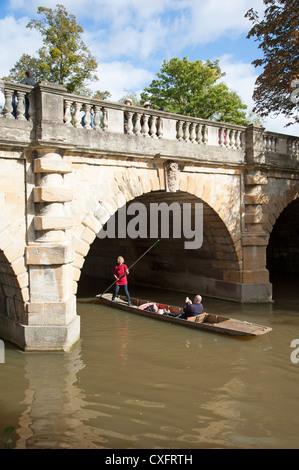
(12, 304)
(209, 268)
(281, 193)
(14, 288)
(282, 226)
(282, 250)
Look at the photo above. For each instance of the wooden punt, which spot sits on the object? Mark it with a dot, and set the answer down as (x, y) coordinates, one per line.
(205, 321)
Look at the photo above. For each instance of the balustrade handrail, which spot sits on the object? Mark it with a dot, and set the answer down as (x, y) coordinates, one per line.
(151, 111)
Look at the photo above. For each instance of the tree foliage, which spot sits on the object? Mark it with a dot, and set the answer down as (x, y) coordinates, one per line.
(192, 89)
(132, 95)
(63, 58)
(278, 34)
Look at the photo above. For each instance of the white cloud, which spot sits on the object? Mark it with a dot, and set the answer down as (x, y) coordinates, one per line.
(239, 76)
(124, 27)
(116, 77)
(16, 40)
(212, 19)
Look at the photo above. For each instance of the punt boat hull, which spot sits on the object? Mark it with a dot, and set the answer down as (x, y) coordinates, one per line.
(206, 321)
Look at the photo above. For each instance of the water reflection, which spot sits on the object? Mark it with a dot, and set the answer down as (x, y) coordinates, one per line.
(53, 402)
(132, 382)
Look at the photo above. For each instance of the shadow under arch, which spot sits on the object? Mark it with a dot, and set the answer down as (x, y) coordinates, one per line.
(211, 269)
(12, 307)
(283, 257)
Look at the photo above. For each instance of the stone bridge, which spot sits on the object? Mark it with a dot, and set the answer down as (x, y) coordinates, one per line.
(61, 182)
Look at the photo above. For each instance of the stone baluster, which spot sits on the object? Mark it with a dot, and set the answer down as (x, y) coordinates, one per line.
(129, 125)
(192, 132)
(226, 138)
(8, 104)
(205, 134)
(238, 139)
(221, 137)
(87, 118)
(180, 131)
(67, 112)
(20, 106)
(105, 119)
(77, 115)
(231, 139)
(145, 127)
(138, 124)
(97, 118)
(160, 127)
(153, 127)
(199, 134)
(186, 131)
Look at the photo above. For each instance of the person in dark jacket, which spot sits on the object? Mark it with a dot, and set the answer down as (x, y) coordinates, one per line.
(190, 309)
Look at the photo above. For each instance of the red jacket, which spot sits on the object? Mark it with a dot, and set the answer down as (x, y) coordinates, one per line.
(118, 271)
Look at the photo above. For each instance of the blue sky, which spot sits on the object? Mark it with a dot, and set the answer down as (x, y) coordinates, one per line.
(130, 39)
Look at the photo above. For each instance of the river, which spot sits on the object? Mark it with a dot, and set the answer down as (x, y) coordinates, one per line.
(136, 383)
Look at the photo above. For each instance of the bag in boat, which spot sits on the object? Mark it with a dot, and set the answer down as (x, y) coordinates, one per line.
(150, 307)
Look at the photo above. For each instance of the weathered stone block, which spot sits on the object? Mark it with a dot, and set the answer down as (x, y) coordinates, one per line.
(55, 223)
(52, 194)
(51, 313)
(81, 247)
(46, 165)
(255, 277)
(91, 222)
(256, 179)
(88, 235)
(48, 255)
(50, 283)
(250, 240)
(256, 199)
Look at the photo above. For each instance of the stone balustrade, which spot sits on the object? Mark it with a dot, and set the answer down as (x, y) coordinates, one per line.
(14, 106)
(133, 120)
(87, 114)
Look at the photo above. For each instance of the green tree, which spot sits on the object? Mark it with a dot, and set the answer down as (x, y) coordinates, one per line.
(64, 58)
(192, 89)
(26, 62)
(132, 95)
(101, 95)
(278, 34)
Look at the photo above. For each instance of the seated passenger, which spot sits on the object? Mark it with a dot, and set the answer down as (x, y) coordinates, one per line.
(190, 309)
